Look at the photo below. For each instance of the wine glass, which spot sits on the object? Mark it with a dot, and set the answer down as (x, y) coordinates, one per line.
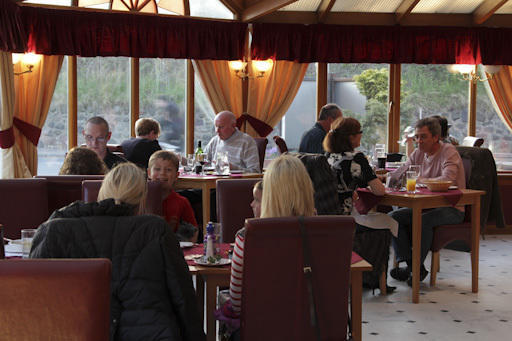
(203, 160)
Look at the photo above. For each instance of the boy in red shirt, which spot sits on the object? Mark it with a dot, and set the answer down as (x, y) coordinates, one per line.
(163, 166)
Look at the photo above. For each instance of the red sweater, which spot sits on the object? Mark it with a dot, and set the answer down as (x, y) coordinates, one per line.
(178, 207)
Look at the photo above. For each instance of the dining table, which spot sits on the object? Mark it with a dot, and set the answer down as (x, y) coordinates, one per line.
(207, 182)
(213, 278)
(425, 199)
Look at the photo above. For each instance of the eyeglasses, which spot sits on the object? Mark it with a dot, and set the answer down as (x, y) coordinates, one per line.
(90, 139)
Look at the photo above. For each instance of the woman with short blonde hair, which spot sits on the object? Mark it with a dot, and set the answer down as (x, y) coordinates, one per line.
(287, 189)
(126, 183)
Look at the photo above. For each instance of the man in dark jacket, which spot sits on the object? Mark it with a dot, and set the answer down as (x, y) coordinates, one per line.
(152, 293)
(139, 149)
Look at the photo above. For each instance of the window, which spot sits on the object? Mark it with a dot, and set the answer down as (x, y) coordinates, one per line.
(301, 114)
(204, 129)
(209, 9)
(432, 90)
(162, 97)
(104, 90)
(497, 136)
(53, 143)
(361, 90)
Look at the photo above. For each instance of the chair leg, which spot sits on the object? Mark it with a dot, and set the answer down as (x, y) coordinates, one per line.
(395, 263)
(434, 268)
(383, 283)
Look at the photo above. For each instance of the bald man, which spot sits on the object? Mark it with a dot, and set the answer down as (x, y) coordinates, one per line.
(241, 148)
(311, 141)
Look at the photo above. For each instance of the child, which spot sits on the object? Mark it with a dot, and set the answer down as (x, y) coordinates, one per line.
(163, 167)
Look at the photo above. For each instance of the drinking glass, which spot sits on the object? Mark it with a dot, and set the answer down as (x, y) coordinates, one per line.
(27, 235)
(415, 168)
(222, 164)
(411, 181)
(190, 162)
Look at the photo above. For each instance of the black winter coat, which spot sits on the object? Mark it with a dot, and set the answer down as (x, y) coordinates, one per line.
(153, 296)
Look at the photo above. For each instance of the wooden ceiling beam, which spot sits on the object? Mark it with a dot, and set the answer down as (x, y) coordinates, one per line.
(263, 8)
(486, 10)
(404, 9)
(235, 6)
(324, 8)
(384, 19)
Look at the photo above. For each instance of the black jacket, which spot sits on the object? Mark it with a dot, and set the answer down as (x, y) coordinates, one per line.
(152, 293)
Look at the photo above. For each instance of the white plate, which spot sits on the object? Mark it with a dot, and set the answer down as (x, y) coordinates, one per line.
(222, 261)
(236, 172)
(185, 245)
(453, 187)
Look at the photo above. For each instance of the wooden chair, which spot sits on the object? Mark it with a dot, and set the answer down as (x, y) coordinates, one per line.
(445, 234)
(23, 204)
(65, 189)
(55, 299)
(261, 143)
(234, 198)
(275, 301)
(91, 188)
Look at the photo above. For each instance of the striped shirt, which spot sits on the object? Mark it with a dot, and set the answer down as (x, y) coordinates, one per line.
(241, 150)
(237, 266)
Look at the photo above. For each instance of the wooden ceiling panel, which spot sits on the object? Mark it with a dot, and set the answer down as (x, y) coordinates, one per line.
(372, 6)
(446, 6)
(262, 8)
(303, 5)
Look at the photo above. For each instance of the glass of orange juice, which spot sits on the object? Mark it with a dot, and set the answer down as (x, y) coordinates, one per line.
(411, 181)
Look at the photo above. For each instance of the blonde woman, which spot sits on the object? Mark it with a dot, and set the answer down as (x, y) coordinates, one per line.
(287, 191)
(152, 293)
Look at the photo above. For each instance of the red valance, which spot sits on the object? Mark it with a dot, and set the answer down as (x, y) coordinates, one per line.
(12, 35)
(93, 33)
(381, 44)
(259, 126)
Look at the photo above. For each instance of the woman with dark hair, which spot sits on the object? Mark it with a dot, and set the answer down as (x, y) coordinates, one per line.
(83, 161)
(353, 171)
(152, 295)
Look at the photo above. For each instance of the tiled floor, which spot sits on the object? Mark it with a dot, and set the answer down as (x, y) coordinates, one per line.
(449, 311)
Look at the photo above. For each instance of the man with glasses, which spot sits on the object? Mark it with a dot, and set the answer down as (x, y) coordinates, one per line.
(97, 134)
(437, 161)
(311, 141)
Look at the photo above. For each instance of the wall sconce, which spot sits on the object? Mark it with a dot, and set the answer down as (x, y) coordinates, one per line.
(469, 72)
(27, 59)
(260, 66)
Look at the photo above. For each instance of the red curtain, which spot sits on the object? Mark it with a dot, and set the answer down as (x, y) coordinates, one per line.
(382, 44)
(94, 33)
(12, 36)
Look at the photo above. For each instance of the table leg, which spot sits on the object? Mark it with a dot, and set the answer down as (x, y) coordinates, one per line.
(211, 305)
(200, 296)
(416, 252)
(356, 289)
(475, 243)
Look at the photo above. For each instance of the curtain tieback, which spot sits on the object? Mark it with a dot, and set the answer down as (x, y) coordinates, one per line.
(261, 127)
(6, 138)
(31, 132)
